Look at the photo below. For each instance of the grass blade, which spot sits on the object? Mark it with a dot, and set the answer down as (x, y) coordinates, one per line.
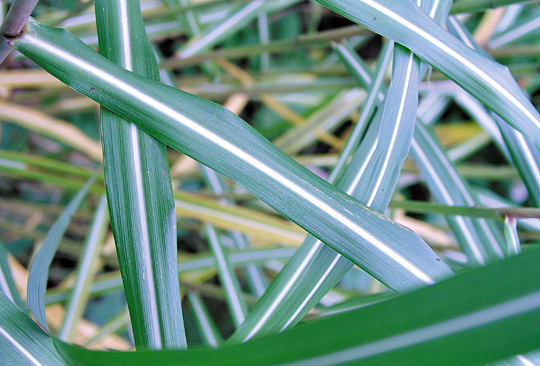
(408, 25)
(7, 285)
(206, 325)
(221, 140)
(445, 183)
(37, 278)
(139, 192)
(255, 277)
(85, 272)
(518, 149)
(467, 320)
(227, 277)
(241, 17)
(371, 177)
(108, 283)
(22, 342)
(512, 240)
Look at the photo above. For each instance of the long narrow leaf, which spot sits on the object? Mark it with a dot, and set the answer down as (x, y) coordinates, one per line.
(486, 80)
(7, 284)
(371, 177)
(466, 320)
(139, 192)
(39, 270)
(22, 342)
(219, 139)
(85, 272)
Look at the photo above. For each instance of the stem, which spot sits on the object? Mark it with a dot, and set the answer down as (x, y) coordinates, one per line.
(17, 16)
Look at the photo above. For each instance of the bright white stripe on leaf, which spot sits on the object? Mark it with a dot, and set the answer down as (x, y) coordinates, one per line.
(488, 80)
(285, 290)
(313, 290)
(449, 201)
(246, 157)
(19, 347)
(193, 48)
(525, 361)
(515, 33)
(399, 119)
(532, 163)
(148, 275)
(466, 322)
(512, 239)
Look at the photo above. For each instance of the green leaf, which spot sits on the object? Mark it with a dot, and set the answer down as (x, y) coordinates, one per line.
(219, 139)
(477, 238)
(39, 270)
(466, 320)
(518, 149)
(207, 328)
(488, 81)
(139, 192)
(371, 178)
(22, 342)
(108, 283)
(7, 285)
(85, 272)
(241, 17)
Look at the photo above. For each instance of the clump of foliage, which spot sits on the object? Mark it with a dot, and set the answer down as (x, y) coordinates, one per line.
(269, 182)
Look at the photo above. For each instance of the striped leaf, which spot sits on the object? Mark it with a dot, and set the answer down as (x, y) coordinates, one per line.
(23, 342)
(466, 320)
(139, 192)
(219, 139)
(488, 81)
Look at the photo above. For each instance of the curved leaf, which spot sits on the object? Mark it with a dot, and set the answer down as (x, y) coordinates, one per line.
(22, 342)
(466, 320)
(488, 81)
(219, 139)
(139, 192)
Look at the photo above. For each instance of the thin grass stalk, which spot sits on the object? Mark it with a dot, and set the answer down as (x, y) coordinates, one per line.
(479, 240)
(255, 277)
(264, 38)
(242, 16)
(7, 284)
(207, 328)
(518, 149)
(471, 6)
(205, 261)
(414, 29)
(227, 277)
(88, 265)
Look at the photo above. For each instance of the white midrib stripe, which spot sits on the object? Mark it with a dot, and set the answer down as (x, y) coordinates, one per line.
(448, 200)
(193, 49)
(399, 120)
(499, 312)
(19, 347)
(308, 258)
(238, 311)
(445, 48)
(124, 22)
(233, 149)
